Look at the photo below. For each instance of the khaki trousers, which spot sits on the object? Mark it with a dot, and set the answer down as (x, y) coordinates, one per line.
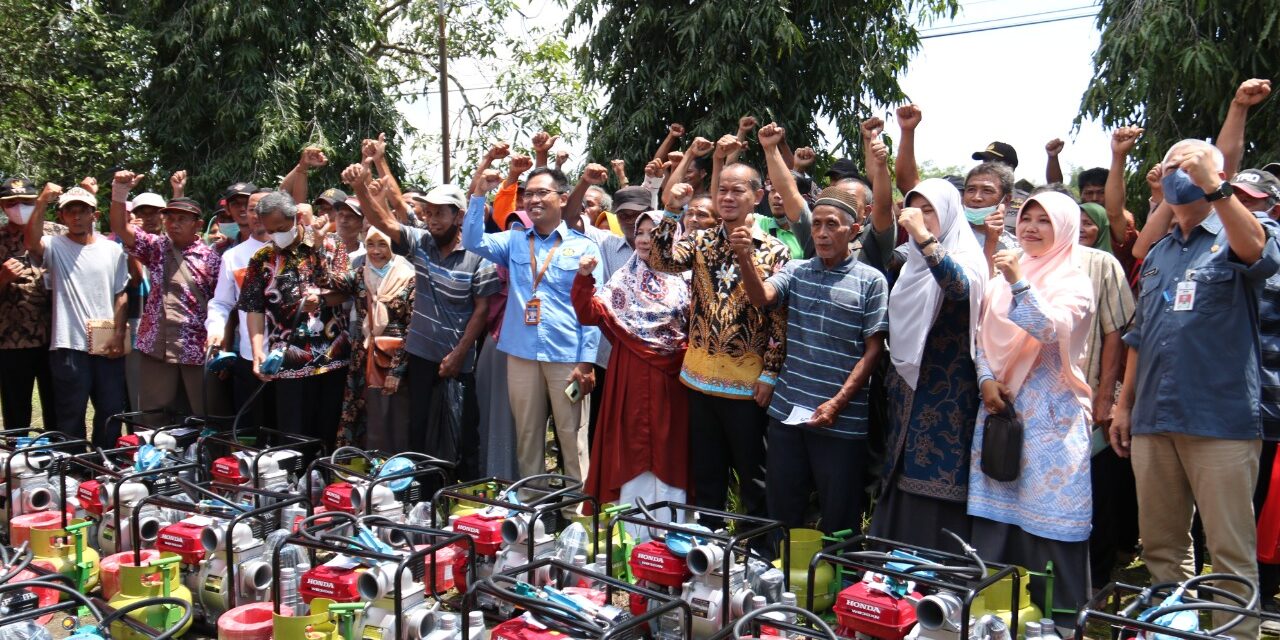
(162, 385)
(530, 384)
(1178, 473)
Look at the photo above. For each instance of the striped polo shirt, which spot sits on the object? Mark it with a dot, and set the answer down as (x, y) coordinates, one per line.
(830, 314)
(457, 280)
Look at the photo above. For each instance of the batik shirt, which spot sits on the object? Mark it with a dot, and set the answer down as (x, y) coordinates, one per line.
(732, 344)
(277, 282)
(25, 311)
(172, 325)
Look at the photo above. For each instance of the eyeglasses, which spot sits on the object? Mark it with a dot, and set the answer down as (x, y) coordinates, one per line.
(539, 194)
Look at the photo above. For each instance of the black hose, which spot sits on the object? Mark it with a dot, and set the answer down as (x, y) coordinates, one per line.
(43, 584)
(740, 627)
(150, 602)
(14, 564)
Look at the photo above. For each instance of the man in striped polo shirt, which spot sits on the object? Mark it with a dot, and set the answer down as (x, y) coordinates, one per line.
(836, 326)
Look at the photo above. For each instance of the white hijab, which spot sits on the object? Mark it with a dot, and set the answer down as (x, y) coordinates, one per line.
(916, 296)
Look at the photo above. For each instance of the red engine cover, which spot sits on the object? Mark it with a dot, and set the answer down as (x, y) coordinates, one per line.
(486, 531)
(130, 440)
(183, 538)
(337, 497)
(90, 498)
(227, 470)
(518, 629)
(654, 562)
(338, 583)
(877, 614)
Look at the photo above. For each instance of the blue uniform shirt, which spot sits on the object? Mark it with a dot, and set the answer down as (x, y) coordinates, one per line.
(1198, 368)
(558, 337)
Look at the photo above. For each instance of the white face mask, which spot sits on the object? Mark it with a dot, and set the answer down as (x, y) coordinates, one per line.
(283, 239)
(21, 213)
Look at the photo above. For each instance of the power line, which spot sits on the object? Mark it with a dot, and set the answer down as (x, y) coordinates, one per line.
(1009, 18)
(1008, 26)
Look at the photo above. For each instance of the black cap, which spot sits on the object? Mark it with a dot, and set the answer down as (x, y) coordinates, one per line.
(240, 189)
(1257, 183)
(334, 197)
(184, 205)
(632, 199)
(998, 152)
(844, 168)
(1273, 169)
(17, 188)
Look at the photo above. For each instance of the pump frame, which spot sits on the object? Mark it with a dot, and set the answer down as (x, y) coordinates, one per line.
(1109, 598)
(834, 555)
(425, 466)
(310, 448)
(62, 442)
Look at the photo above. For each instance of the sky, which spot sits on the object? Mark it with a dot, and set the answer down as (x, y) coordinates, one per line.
(1021, 85)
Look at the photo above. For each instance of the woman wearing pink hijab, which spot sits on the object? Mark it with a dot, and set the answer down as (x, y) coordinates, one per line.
(1035, 322)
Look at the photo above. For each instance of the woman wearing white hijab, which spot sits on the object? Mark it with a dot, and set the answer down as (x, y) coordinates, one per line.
(375, 406)
(932, 385)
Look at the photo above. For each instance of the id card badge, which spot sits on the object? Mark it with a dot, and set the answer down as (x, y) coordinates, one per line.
(533, 311)
(1184, 298)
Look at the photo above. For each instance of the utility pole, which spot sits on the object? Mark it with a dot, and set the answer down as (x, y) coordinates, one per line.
(444, 94)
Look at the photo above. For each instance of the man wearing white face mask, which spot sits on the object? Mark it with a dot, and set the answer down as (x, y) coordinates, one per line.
(24, 325)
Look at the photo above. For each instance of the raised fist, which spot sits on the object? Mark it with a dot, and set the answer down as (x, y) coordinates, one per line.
(675, 130)
(872, 128)
(313, 158)
(499, 150)
(700, 147)
(355, 174)
(805, 157)
(595, 174)
(653, 169)
(90, 184)
(178, 181)
(771, 135)
(124, 178)
(680, 196)
(1054, 147)
(746, 123)
(520, 163)
(587, 264)
(50, 191)
(726, 145)
(908, 117)
(543, 141)
(1123, 139)
(374, 148)
(1252, 92)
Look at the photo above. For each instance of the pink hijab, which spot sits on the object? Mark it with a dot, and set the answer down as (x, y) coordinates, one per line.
(1065, 296)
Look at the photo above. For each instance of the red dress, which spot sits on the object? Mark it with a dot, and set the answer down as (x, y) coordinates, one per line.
(644, 415)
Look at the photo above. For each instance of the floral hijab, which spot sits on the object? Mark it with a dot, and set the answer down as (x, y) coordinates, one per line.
(653, 307)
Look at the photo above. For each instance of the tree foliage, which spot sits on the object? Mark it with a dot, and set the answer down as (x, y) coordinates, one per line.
(706, 63)
(1172, 67)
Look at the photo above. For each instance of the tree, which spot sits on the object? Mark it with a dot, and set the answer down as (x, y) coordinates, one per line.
(1172, 67)
(239, 87)
(70, 86)
(704, 64)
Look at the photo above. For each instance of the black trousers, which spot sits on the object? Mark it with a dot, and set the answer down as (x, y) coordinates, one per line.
(727, 434)
(262, 411)
(597, 397)
(804, 459)
(426, 436)
(83, 378)
(311, 406)
(20, 370)
(1268, 574)
(1115, 514)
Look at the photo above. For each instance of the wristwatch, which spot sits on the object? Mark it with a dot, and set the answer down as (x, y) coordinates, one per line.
(1221, 192)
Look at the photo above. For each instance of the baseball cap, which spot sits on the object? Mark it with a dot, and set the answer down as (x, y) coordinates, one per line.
(77, 194)
(1273, 169)
(240, 189)
(334, 197)
(184, 205)
(444, 194)
(352, 204)
(17, 188)
(1257, 183)
(844, 168)
(632, 199)
(148, 199)
(998, 152)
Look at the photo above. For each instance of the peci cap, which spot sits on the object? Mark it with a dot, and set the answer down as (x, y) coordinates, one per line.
(632, 199)
(446, 194)
(77, 194)
(332, 197)
(147, 199)
(18, 189)
(183, 205)
(1257, 183)
(240, 189)
(998, 152)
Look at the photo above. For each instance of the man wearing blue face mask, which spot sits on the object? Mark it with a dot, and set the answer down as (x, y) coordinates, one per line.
(24, 325)
(988, 190)
(1195, 436)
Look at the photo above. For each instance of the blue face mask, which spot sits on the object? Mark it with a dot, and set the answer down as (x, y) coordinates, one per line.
(979, 216)
(1179, 189)
(382, 273)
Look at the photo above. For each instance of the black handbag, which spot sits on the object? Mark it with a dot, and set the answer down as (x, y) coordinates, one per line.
(1002, 445)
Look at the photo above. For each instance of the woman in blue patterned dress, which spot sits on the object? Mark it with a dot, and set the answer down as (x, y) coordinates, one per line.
(932, 385)
(1033, 332)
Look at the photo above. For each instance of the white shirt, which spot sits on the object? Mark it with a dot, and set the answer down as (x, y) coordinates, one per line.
(230, 276)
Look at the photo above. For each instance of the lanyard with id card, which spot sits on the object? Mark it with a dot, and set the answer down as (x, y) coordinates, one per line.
(533, 308)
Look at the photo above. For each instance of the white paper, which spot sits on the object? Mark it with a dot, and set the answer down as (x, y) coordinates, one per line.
(799, 415)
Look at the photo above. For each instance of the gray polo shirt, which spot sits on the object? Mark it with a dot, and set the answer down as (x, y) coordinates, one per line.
(830, 314)
(457, 279)
(1198, 364)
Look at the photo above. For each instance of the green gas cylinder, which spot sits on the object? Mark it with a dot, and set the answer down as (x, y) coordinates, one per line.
(159, 577)
(68, 552)
(805, 544)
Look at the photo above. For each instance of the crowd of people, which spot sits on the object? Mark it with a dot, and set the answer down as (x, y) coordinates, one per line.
(1033, 371)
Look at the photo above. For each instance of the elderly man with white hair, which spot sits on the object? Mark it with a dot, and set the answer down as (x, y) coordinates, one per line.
(1189, 411)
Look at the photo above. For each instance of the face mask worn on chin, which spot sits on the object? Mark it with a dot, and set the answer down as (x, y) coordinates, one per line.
(21, 213)
(977, 217)
(229, 229)
(1179, 189)
(283, 239)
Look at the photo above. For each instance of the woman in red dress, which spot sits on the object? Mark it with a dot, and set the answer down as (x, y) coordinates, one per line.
(641, 447)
